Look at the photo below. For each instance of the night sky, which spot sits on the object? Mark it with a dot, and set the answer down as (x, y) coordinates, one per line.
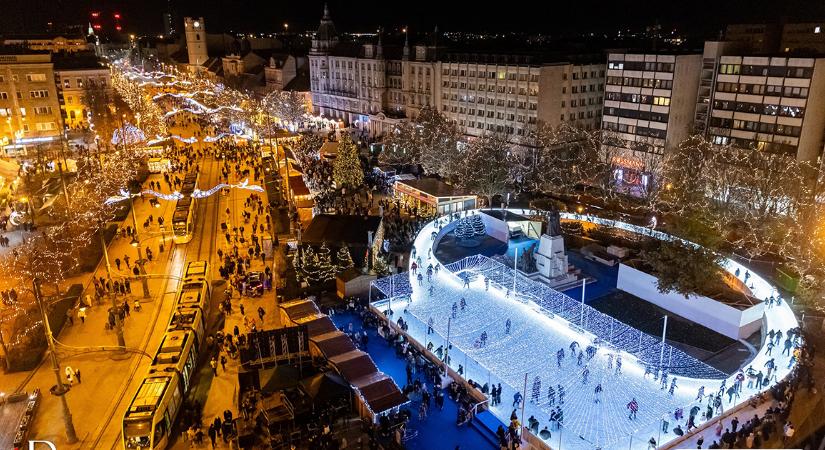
(549, 16)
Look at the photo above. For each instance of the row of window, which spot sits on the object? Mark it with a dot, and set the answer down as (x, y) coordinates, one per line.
(759, 127)
(762, 89)
(30, 77)
(583, 75)
(635, 114)
(489, 101)
(633, 129)
(533, 91)
(646, 66)
(580, 115)
(80, 82)
(492, 75)
(489, 114)
(580, 102)
(638, 98)
(653, 83)
(766, 71)
(583, 88)
(759, 108)
(40, 93)
(771, 147)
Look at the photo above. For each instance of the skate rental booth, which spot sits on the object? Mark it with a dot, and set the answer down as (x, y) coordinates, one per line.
(430, 194)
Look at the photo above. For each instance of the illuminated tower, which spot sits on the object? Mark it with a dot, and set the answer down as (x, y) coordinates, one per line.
(195, 30)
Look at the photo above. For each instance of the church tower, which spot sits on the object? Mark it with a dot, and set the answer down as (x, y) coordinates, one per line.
(195, 30)
(326, 37)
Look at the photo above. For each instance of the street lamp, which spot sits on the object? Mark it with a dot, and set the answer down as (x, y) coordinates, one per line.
(60, 389)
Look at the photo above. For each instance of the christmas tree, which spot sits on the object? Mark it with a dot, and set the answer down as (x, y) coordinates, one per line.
(310, 266)
(344, 259)
(478, 225)
(346, 169)
(381, 267)
(464, 229)
(326, 270)
(296, 263)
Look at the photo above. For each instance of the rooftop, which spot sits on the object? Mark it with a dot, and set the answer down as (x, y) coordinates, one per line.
(433, 187)
(340, 229)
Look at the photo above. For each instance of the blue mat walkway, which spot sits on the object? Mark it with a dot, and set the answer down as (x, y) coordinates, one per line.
(438, 431)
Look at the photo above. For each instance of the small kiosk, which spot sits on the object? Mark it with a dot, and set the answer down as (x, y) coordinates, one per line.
(433, 195)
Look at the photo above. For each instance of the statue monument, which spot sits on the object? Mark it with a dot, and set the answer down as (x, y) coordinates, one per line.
(550, 257)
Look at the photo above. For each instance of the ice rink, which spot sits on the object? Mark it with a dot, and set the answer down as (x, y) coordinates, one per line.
(536, 335)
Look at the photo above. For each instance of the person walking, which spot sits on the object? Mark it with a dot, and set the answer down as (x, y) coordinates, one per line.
(77, 375)
(117, 263)
(213, 363)
(261, 313)
(81, 314)
(223, 362)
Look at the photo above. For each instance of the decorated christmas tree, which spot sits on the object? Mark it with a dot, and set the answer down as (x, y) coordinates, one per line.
(344, 259)
(310, 266)
(478, 225)
(381, 267)
(464, 229)
(296, 263)
(326, 270)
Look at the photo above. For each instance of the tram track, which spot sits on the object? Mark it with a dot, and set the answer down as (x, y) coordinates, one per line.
(200, 223)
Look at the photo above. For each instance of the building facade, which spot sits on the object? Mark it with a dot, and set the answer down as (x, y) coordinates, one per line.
(73, 84)
(374, 87)
(649, 106)
(50, 43)
(769, 103)
(511, 95)
(29, 101)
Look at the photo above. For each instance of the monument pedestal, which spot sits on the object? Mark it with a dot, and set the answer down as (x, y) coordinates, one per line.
(551, 262)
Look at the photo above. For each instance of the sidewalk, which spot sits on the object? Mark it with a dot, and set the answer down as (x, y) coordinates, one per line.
(102, 372)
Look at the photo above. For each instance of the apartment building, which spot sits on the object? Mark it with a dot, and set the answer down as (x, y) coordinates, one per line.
(769, 103)
(649, 105)
(77, 75)
(512, 94)
(29, 102)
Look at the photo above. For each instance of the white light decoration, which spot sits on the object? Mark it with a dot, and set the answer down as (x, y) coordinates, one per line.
(197, 193)
(544, 321)
(128, 135)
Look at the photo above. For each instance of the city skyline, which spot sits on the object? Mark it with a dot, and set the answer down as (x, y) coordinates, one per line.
(702, 17)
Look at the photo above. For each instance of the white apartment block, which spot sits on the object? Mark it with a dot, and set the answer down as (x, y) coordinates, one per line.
(774, 104)
(649, 103)
(484, 97)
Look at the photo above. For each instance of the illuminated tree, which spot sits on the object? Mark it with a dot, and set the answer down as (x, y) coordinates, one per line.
(344, 259)
(483, 168)
(430, 140)
(346, 170)
(326, 270)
